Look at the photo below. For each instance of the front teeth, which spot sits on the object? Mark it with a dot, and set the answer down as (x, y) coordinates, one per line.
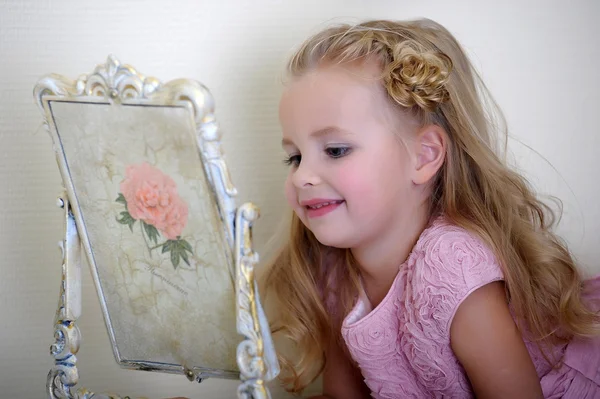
(321, 205)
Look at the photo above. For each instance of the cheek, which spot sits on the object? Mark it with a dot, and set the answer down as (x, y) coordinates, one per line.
(290, 193)
(373, 183)
(355, 183)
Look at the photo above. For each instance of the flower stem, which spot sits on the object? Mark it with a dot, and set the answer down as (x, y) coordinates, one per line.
(146, 241)
(157, 246)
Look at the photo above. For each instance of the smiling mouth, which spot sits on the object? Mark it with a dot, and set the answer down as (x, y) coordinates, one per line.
(322, 204)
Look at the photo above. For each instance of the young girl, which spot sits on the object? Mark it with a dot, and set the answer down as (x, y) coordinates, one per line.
(419, 265)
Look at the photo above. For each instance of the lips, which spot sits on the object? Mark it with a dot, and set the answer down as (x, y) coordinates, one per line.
(319, 207)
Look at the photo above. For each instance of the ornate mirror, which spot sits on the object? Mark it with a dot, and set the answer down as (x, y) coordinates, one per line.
(149, 200)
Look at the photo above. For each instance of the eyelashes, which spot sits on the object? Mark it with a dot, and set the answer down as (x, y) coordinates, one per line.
(332, 152)
(292, 160)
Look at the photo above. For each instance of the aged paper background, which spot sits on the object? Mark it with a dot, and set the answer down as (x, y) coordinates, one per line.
(159, 312)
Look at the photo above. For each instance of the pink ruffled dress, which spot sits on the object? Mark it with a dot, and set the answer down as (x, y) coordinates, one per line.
(403, 345)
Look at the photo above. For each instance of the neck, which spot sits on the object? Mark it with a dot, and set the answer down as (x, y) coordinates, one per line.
(379, 260)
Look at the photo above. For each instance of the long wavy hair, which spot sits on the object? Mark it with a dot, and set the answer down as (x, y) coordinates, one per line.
(427, 74)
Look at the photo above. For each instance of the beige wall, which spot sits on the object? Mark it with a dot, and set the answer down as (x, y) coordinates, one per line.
(540, 59)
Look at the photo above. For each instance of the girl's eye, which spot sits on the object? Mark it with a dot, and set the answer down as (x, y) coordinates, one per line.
(293, 160)
(337, 152)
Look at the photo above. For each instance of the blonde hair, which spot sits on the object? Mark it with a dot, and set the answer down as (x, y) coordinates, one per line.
(426, 73)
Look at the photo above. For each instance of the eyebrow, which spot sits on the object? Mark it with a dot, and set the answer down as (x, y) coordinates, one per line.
(320, 133)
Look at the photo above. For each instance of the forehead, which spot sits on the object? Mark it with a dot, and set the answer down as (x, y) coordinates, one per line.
(343, 96)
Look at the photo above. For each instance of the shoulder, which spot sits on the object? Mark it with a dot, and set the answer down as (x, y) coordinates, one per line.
(458, 256)
(448, 264)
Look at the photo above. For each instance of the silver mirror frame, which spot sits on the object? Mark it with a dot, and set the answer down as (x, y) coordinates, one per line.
(117, 83)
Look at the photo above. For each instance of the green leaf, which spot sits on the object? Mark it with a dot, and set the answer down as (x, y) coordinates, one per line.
(186, 246)
(178, 250)
(151, 231)
(126, 219)
(121, 199)
(184, 255)
(175, 258)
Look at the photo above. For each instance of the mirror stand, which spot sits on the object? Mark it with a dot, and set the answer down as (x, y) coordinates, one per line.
(255, 357)
(63, 376)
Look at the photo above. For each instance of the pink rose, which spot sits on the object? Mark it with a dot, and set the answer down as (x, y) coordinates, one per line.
(152, 197)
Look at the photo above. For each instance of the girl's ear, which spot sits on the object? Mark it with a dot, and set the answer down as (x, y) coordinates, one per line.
(430, 153)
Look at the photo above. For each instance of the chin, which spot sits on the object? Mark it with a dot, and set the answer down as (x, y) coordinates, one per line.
(333, 240)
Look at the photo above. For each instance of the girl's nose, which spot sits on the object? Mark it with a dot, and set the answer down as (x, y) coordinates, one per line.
(305, 175)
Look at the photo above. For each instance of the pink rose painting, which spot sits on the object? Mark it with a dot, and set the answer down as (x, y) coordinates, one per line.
(150, 197)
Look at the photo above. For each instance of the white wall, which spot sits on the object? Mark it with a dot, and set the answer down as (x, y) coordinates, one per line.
(540, 59)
